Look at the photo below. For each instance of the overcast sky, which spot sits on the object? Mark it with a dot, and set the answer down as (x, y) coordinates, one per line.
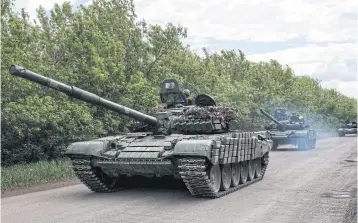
(315, 38)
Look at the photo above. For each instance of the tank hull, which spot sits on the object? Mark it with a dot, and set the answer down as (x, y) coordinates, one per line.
(101, 163)
(344, 131)
(302, 139)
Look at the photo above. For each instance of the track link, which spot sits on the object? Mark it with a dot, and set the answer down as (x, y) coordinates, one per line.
(193, 172)
(90, 177)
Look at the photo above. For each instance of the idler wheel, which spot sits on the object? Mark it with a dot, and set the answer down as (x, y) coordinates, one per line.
(244, 172)
(252, 169)
(215, 178)
(225, 176)
(110, 182)
(258, 167)
(235, 174)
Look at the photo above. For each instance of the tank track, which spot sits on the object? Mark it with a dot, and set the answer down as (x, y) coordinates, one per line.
(192, 171)
(89, 177)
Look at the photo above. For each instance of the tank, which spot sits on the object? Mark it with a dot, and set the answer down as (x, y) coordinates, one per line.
(290, 129)
(347, 127)
(198, 144)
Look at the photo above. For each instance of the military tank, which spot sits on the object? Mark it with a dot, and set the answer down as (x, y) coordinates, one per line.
(290, 129)
(199, 144)
(347, 127)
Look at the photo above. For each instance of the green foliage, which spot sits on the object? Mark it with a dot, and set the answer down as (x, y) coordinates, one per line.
(103, 49)
(27, 175)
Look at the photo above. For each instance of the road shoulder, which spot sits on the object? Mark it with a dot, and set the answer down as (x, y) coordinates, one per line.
(37, 188)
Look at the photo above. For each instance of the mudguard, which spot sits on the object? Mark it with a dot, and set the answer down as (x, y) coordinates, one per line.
(266, 146)
(290, 134)
(301, 134)
(193, 148)
(87, 148)
(262, 147)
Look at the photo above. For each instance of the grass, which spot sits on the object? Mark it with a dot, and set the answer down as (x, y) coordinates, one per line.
(27, 175)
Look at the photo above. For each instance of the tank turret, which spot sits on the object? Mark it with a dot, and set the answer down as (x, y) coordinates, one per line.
(293, 123)
(203, 117)
(280, 114)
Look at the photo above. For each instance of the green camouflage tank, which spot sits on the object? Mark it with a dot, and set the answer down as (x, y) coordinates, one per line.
(347, 127)
(290, 129)
(199, 144)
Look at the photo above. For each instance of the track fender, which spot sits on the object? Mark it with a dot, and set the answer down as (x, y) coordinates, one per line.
(193, 148)
(303, 134)
(93, 148)
(269, 146)
(263, 147)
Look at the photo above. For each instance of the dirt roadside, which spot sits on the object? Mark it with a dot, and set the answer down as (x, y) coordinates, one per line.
(37, 188)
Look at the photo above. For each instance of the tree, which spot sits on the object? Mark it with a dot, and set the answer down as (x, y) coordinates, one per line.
(102, 49)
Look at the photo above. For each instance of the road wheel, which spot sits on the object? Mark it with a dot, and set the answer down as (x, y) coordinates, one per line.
(252, 169)
(244, 171)
(215, 178)
(110, 182)
(235, 174)
(225, 177)
(258, 167)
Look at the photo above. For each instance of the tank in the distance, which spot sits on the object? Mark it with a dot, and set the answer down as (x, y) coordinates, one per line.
(290, 129)
(199, 144)
(347, 127)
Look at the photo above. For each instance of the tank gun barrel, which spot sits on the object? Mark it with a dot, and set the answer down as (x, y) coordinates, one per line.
(270, 117)
(80, 94)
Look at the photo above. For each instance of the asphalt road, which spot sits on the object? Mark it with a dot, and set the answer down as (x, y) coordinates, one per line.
(299, 186)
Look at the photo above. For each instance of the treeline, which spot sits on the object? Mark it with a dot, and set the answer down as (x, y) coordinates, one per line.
(102, 48)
